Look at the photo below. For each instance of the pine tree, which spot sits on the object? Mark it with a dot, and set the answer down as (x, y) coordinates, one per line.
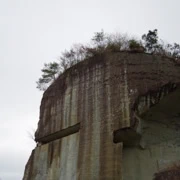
(50, 72)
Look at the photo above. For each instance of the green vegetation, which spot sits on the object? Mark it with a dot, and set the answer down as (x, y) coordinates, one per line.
(102, 42)
(135, 45)
(151, 41)
(50, 72)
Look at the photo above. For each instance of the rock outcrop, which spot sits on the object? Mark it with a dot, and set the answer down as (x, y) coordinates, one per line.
(109, 117)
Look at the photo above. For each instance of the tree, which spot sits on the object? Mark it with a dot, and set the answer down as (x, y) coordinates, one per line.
(170, 50)
(99, 39)
(50, 72)
(176, 51)
(79, 52)
(151, 41)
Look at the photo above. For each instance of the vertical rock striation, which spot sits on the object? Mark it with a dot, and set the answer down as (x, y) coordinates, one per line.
(83, 108)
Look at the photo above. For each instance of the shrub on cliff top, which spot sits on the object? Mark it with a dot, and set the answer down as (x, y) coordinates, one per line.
(102, 42)
(133, 44)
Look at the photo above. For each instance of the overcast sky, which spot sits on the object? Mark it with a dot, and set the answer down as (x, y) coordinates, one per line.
(33, 32)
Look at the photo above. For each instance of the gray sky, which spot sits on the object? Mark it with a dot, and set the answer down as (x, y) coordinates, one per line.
(33, 32)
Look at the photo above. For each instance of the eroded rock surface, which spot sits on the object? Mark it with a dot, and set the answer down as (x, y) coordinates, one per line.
(103, 95)
(159, 146)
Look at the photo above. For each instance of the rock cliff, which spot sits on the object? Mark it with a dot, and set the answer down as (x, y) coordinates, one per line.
(109, 117)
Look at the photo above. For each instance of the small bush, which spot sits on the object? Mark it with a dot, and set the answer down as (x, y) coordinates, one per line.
(133, 44)
(113, 47)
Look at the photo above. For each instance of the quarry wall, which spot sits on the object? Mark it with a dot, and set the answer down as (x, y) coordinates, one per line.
(83, 109)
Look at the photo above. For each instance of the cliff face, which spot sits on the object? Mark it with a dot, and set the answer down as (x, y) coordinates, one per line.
(92, 119)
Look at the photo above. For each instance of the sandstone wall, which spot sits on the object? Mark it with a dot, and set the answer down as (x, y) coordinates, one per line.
(101, 94)
(159, 147)
(55, 160)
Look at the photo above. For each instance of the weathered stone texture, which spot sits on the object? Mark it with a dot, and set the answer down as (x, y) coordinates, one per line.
(103, 87)
(159, 146)
(103, 94)
(55, 160)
